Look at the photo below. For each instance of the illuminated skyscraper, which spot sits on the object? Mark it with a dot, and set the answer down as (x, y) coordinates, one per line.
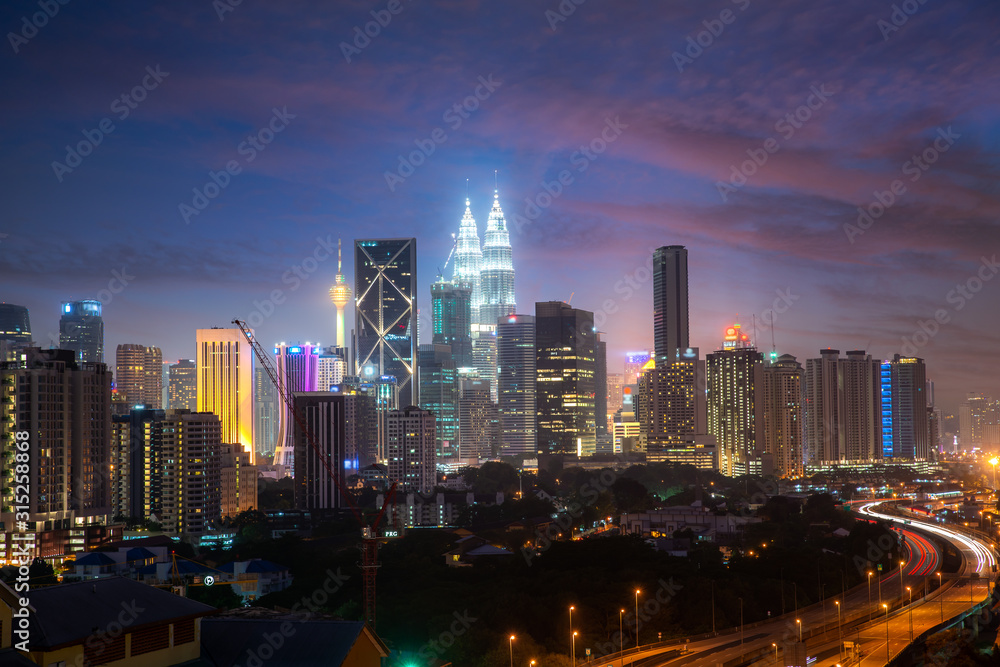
(735, 403)
(452, 314)
(783, 415)
(469, 261)
(324, 415)
(139, 374)
(411, 449)
(225, 383)
(340, 294)
(265, 415)
(905, 379)
(497, 275)
(298, 371)
(332, 367)
(634, 363)
(845, 408)
(81, 329)
(564, 371)
(385, 309)
(183, 385)
(15, 329)
(670, 302)
(439, 395)
(516, 384)
(478, 422)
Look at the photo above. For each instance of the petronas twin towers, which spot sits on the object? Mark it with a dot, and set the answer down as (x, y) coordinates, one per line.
(489, 270)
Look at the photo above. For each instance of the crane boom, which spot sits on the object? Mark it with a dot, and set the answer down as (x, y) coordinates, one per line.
(369, 534)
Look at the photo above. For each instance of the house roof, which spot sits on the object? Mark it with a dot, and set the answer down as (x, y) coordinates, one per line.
(139, 553)
(488, 550)
(95, 558)
(227, 641)
(69, 613)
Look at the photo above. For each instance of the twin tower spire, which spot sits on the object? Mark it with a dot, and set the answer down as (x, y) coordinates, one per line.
(488, 270)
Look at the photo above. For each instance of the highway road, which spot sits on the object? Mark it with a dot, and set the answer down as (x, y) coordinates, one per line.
(879, 632)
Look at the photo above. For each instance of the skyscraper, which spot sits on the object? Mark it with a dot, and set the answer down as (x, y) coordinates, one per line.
(324, 415)
(265, 415)
(783, 415)
(452, 315)
(225, 383)
(81, 329)
(478, 421)
(469, 261)
(332, 367)
(139, 374)
(845, 408)
(340, 294)
(385, 273)
(411, 450)
(735, 403)
(183, 385)
(137, 463)
(564, 370)
(65, 406)
(298, 371)
(634, 363)
(601, 387)
(670, 302)
(439, 395)
(497, 275)
(192, 471)
(905, 379)
(15, 329)
(516, 384)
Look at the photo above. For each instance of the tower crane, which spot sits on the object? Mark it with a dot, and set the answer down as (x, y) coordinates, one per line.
(452, 252)
(369, 532)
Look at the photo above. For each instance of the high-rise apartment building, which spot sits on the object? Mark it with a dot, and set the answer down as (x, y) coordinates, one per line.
(670, 302)
(81, 329)
(439, 395)
(735, 403)
(318, 474)
(65, 407)
(974, 414)
(15, 330)
(331, 368)
(265, 415)
(182, 393)
(385, 273)
(784, 416)
(844, 408)
(484, 355)
(478, 422)
(137, 463)
(411, 450)
(298, 371)
(225, 383)
(139, 374)
(615, 387)
(237, 480)
(497, 274)
(905, 380)
(192, 458)
(452, 320)
(565, 370)
(516, 385)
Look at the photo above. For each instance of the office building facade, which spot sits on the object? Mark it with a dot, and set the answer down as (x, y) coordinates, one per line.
(670, 302)
(81, 329)
(516, 385)
(225, 367)
(182, 390)
(139, 374)
(411, 460)
(451, 306)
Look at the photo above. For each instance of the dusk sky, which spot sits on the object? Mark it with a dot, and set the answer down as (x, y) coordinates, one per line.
(833, 99)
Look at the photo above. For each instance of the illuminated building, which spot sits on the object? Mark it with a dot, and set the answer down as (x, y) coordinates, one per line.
(974, 414)
(615, 387)
(265, 415)
(844, 408)
(452, 320)
(137, 463)
(298, 370)
(385, 273)
(237, 481)
(905, 380)
(478, 421)
(225, 383)
(332, 366)
(81, 329)
(735, 403)
(783, 416)
(670, 302)
(325, 416)
(601, 391)
(564, 376)
(65, 407)
(182, 390)
(139, 374)
(497, 273)
(192, 472)
(670, 408)
(340, 294)
(15, 330)
(484, 355)
(634, 363)
(516, 384)
(411, 450)
(469, 262)
(438, 379)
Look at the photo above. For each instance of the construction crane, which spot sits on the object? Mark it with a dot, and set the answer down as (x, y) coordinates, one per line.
(369, 533)
(452, 252)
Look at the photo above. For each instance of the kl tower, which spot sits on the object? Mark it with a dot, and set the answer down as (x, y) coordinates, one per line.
(340, 294)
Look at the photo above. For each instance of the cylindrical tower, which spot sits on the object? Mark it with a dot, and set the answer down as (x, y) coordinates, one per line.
(340, 294)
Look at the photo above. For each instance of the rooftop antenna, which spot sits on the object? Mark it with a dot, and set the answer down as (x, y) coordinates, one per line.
(466, 189)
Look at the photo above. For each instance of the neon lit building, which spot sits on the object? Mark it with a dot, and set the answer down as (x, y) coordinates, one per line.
(298, 371)
(907, 387)
(735, 402)
(225, 383)
(497, 275)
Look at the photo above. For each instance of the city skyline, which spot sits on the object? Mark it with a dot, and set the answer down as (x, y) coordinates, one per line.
(849, 107)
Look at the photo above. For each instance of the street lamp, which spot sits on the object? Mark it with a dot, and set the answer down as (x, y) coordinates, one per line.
(940, 597)
(621, 638)
(994, 461)
(512, 651)
(799, 621)
(637, 591)
(869, 595)
(775, 652)
(573, 649)
(840, 629)
(909, 592)
(571, 608)
(886, 607)
(741, 622)
(901, 563)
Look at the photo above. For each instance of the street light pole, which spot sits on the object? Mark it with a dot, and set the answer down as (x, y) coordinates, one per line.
(637, 591)
(886, 607)
(775, 652)
(900, 582)
(572, 653)
(940, 597)
(571, 608)
(799, 622)
(840, 629)
(621, 639)
(741, 622)
(869, 596)
(909, 592)
(512, 651)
